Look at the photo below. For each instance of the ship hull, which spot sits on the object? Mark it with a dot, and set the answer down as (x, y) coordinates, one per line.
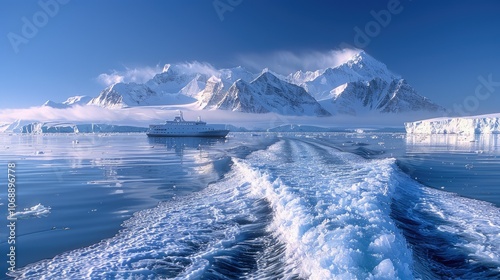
(211, 133)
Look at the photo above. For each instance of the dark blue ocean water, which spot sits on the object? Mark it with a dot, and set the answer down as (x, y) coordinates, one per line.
(310, 205)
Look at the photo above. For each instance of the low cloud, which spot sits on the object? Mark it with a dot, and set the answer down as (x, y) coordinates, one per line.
(129, 75)
(282, 62)
(144, 74)
(110, 79)
(143, 116)
(286, 62)
(81, 114)
(195, 67)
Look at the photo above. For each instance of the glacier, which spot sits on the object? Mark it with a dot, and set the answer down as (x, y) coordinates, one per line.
(66, 127)
(481, 124)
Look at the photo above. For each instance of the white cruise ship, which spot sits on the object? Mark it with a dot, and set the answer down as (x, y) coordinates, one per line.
(181, 128)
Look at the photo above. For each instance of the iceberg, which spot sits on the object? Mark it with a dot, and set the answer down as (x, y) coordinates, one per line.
(470, 125)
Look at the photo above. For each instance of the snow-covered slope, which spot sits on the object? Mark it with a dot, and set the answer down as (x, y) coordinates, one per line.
(231, 75)
(71, 101)
(177, 84)
(267, 93)
(217, 85)
(487, 124)
(361, 67)
(362, 84)
(212, 93)
(379, 95)
(77, 100)
(131, 94)
(177, 79)
(56, 105)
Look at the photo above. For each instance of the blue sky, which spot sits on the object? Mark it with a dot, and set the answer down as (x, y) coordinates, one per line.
(440, 47)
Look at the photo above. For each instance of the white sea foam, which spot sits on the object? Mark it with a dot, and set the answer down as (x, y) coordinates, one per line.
(180, 239)
(454, 237)
(330, 210)
(476, 224)
(305, 210)
(334, 217)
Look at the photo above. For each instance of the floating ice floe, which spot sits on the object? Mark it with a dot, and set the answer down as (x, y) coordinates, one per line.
(36, 211)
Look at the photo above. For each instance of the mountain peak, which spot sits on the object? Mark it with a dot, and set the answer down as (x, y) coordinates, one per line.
(230, 75)
(166, 67)
(270, 76)
(71, 101)
(267, 93)
(170, 70)
(77, 100)
(362, 55)
(267, 74)
(50, 103)
(365, 64)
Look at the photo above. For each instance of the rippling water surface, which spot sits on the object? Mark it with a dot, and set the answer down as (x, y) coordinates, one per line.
(257, 206)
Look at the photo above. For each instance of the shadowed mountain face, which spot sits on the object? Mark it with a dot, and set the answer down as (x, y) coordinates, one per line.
(267, 93)
(394, 96)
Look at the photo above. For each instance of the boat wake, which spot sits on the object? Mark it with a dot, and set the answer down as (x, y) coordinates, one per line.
(297, 210)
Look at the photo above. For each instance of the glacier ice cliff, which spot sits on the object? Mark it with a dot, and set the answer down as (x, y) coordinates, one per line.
(483, 124)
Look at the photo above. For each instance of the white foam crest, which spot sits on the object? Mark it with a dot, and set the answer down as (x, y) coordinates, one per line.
(36, 211)
(476, 224)
(177, 239)
(333, 217)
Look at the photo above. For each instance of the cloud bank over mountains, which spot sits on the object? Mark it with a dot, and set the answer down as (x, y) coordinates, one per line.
(286, 62)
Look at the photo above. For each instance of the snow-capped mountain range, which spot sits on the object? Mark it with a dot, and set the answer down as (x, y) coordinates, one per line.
(361, 85)
(321, 84)
(266, 93)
